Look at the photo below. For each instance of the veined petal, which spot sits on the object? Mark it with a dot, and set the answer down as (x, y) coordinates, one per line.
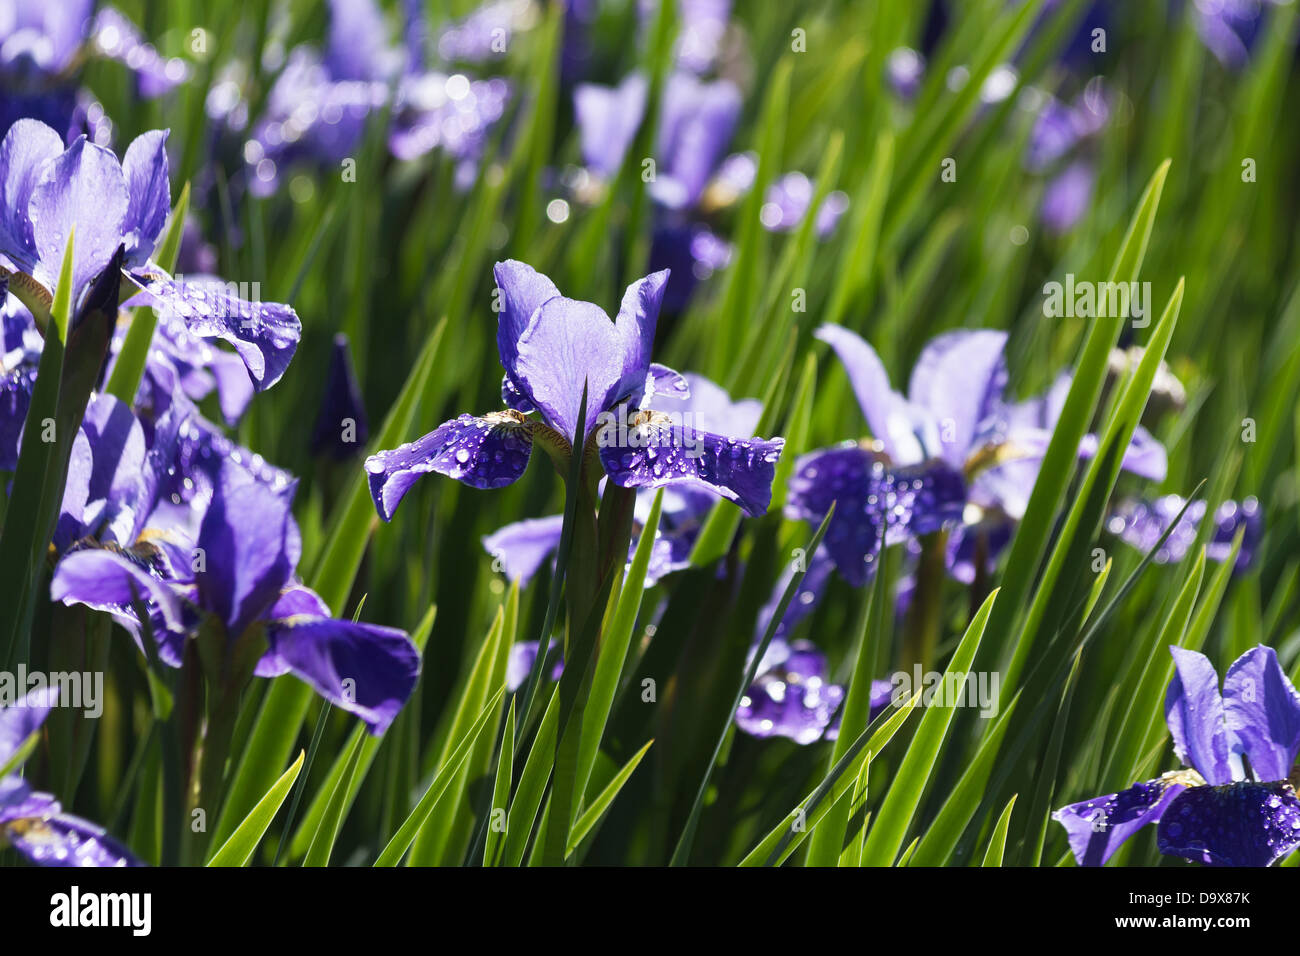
(60, 839)
(1096, 828)
(265, 334)
(523, 290)
(25, 150)
(83, 189)
(487, 452)
(959, 378)
(1239, 824)
(149, 194)
(740, 470)
(522, 547)
(1262, 710)
(1194, 713)
(364, 669)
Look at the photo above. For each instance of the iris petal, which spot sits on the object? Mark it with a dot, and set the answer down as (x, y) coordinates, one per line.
(1239, 824)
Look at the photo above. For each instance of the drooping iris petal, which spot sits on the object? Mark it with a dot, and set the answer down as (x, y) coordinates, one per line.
(911, 502)
(1096, 828)
(793, 700)
(82, 190)
(110, 580)
(249, 545)
(364, 669)
(487, 452)
(738, 469)
(20, 721)
(149, 194)
(1194, 713)
(295, 601)
(25, 150)
(1238, 824)
(608, 118)
(1262, 710)
(265, 334)
(1141, 523)
(959, 378)
(61, 839)
(521, 548)
(523, 290)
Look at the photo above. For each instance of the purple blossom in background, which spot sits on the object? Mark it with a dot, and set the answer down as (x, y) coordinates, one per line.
(520, 664)
(34, 823)
(341, 429)
(1230, 28)
(551, 347)
(904, 70)
(41, 48)
(1141, 523)
(1056, 147)
(1236, 804)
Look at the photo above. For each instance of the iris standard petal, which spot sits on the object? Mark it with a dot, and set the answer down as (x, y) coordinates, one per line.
(523, 289)
(959, 377)
(364, 669)
(1239, 824)
(634, 328)
(25, 150)
(608, 118)
(1194, 713)
(83, 189)
(249, 546)
(265, 334)
(738, 469)
(1096, 828)
(487, 452)
(148, 194)
(1262, 710)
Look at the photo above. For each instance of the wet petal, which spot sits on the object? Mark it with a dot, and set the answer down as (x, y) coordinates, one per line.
(782, 704)
(740, 470)
(110, 580)
(60, 839)
(83, 189)
(1240, 824)
(488, 452)
(364, 669)
(912, 501)
(265, 334)
(1096, 828)
(1262, 710)
(1194, 713)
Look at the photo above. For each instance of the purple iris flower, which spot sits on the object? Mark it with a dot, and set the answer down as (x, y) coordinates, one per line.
(1141, 523)
(522, 657)
(238, 572)
(905, 69)
(1059, 135)
(1230, 28)
(1236, 803)
(521, 548)
(551, 347)
(341, 428)
(20, 354)
(42, 46)
(46, 191)
(34, 823)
